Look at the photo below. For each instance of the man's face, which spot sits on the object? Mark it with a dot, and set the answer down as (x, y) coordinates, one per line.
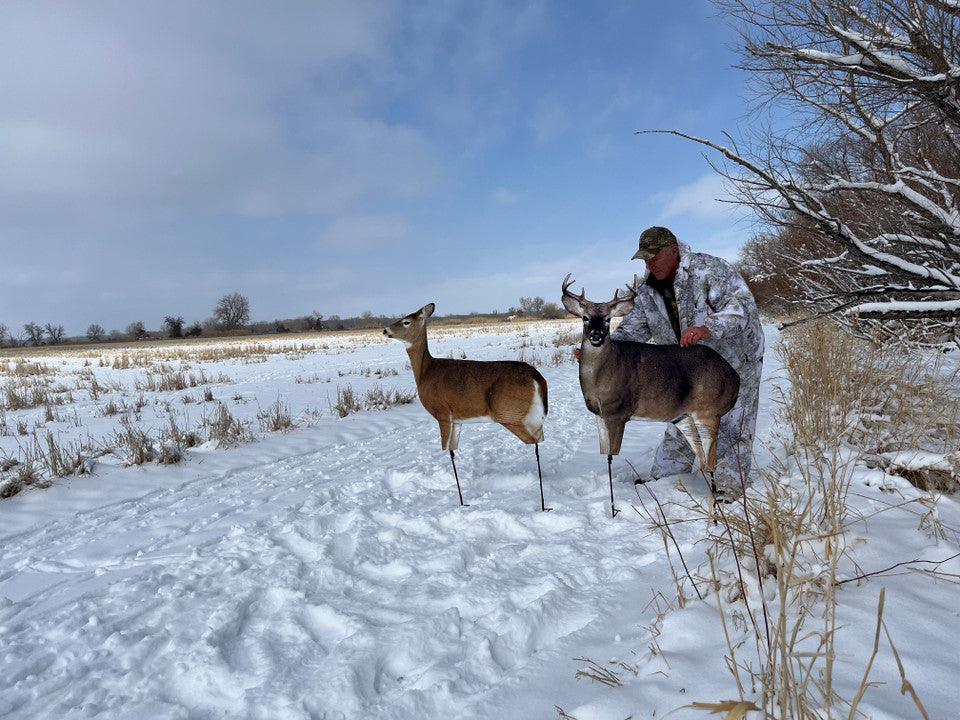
(664, 264)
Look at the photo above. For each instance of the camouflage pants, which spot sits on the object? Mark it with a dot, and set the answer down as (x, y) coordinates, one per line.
(674, 456)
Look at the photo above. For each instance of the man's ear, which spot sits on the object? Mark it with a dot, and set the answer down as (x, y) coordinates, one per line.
(427, 310)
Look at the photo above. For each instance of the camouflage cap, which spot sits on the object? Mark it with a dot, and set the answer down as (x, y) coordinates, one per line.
(653, 240)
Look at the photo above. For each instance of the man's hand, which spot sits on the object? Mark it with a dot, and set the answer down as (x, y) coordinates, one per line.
(693, 335)
(576, 354)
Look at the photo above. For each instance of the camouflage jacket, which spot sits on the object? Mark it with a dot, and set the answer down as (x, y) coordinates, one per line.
(710, 293)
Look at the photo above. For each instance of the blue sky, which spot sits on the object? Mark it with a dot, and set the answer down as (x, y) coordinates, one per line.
(352, 156)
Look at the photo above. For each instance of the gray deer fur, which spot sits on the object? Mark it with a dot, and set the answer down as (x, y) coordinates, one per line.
(692, 386)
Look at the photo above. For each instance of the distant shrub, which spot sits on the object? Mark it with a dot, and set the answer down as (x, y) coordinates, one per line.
(552, 311)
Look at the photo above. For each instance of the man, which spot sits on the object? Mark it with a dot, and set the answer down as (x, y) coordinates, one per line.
(690, 298)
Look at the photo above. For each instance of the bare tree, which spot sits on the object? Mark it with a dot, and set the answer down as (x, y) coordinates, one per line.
(3, 333)
(871, 171)
(54, 333)
(174, 326)
(531, 305)
(232, 311)
(95, 333)
(136, 330)
(33, 333)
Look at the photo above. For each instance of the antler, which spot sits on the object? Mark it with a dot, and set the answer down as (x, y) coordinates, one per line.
(617, 297)
(567, 282)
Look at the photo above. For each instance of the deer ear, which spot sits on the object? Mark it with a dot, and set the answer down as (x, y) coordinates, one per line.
(427, 310)
(573, 307)
(621, 308)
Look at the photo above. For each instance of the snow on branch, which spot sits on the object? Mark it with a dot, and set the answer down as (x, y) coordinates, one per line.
(895, 309)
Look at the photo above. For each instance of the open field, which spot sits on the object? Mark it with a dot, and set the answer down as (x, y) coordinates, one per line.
(299, 561)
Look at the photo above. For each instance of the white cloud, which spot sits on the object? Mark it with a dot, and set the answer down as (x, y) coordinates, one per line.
(503, 196)
(212, 106)
(364, 232)
(696, 200)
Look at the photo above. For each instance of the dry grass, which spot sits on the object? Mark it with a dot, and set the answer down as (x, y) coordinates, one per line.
(28, 392)
(880, 401)
(276, 418)
(376, 398)
(134, 442)
(792, 535)
(787, 534)
(560, 357)
(19, 367)
(173, 441)
(26, 474)
(224, 429)
(565, 337)
(62, 459)
(531, 358)
(166, 379)
(347, 402)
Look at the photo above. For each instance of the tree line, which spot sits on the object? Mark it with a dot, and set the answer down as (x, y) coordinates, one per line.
(231, 316)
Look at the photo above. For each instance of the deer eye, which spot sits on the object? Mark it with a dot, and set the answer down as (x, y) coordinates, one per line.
(406, 323)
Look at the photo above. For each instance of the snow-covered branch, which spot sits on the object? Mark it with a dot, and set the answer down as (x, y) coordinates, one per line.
(862, 197)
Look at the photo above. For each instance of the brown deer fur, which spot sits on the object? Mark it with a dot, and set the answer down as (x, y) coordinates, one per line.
(508, 392)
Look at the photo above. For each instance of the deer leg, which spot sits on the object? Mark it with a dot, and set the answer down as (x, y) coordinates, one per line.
(457, 478)
(446, 428)
(449, 435)
(614, 434)
(454, 435)
(604, 436)
(709, 430)
(613, 508)
(690, 430)
(536, 449)
(522, 432)
(611, 435)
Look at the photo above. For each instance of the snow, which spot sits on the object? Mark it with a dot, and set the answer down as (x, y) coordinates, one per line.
(328, 572)
(922, 306)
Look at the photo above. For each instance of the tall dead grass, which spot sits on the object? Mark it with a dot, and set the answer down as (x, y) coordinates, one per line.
(773, 558)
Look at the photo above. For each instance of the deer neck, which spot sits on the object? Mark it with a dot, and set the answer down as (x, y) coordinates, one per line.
(592, 357)
(419, 354)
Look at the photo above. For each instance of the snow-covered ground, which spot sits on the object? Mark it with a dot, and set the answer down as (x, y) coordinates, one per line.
(328, 572)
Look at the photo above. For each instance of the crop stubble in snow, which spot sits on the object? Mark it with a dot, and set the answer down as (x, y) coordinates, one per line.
(328, 572)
